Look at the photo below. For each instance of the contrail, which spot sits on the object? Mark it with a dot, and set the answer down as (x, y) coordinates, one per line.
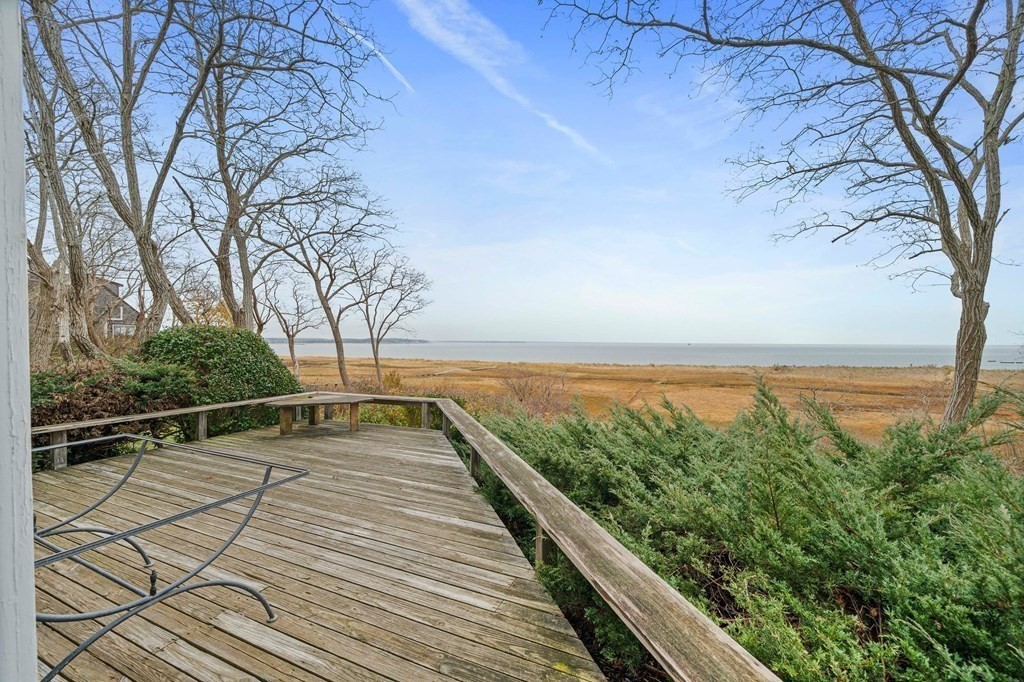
(460, 30)
(379, 55)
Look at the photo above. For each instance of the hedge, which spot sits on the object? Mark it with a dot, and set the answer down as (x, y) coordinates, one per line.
(826, 557)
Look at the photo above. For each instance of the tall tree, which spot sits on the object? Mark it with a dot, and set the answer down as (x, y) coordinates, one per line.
(323, 237)
(62, 310)
(295, 311)
(905, 106)
(284, 95)
(389, 292)
(110, 56)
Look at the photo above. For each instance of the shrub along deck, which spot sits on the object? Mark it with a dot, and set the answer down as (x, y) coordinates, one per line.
(383, 564)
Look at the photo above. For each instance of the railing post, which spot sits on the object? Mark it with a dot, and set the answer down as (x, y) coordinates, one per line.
(543, 546)
(353, 417)
(328, 412)
(202, 425)
(287, 417)
(424, 415)
(446, 426)
(59, 457)
(474, 463)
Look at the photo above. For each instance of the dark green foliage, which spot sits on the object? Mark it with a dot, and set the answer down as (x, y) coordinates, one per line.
(827, 558)
(229, 365)
(179, 367)
(109, 388)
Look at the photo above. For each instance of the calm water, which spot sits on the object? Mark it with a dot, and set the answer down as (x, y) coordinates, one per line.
(996, 357)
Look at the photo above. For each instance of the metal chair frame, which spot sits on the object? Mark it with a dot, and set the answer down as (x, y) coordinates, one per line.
(152, 595)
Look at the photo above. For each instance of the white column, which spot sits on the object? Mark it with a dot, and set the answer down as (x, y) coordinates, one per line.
(17, 587)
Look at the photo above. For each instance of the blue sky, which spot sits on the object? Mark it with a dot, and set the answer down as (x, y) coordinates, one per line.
(545, 210)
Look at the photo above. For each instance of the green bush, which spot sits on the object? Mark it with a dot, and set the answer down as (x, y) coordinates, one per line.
(229, 365)
(827, 558)
(109, 388)
(179, 367)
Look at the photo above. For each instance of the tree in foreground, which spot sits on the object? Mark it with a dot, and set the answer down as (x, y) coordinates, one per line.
(904, 106)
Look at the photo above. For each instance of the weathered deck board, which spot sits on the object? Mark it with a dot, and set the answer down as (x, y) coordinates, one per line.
(384, 564)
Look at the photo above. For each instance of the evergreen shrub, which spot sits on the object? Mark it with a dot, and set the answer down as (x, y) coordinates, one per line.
(229, 365)
(826, 557)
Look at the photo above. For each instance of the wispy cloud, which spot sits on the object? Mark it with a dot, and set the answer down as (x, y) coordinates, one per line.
(703, 117)
(460, 30)
(368, 44)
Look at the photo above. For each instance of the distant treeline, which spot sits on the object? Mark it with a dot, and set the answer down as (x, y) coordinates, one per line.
(279, 339)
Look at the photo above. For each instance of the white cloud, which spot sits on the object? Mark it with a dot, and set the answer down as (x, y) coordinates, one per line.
(461, 31)
(703, 116)
(366, 42)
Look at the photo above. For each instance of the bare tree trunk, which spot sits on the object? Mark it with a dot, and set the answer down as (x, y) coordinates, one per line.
(291, 352)
(75, 316)
(339, 348)
(62, 318)
(224, 274)
(970, 344)
(248, 309)
(160, 286)
(375, 347)
(75, 310)
(42, 331)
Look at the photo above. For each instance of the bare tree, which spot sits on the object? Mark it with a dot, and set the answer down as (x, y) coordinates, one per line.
(284, 94)
(77, 39)
(323, 238)
(904, 106)
(295, 311)
(198, 291)
(389, 292)
(62, 311)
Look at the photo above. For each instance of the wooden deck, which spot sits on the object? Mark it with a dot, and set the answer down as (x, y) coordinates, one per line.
(383, 564)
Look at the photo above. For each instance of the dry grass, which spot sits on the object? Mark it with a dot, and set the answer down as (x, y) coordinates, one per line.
(866, 399)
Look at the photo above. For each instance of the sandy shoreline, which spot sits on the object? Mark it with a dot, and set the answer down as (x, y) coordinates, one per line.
(865, 398)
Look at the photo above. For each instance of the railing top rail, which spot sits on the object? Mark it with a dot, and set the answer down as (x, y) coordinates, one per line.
(125, 419)
(685, 641)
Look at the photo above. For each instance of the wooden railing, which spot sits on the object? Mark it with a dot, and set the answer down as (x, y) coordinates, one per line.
(59, 432)
(686, 642)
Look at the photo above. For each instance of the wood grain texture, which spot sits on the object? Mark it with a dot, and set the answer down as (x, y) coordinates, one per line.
(286, 418)
(202, 426)
(58, 456)
(384, 564)
(391, 471)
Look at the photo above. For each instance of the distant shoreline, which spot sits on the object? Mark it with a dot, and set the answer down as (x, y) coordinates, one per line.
(694, 355)
(1017, 366)
(282, 340)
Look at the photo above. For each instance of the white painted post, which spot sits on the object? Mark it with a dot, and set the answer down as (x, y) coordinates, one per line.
(17, 582)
